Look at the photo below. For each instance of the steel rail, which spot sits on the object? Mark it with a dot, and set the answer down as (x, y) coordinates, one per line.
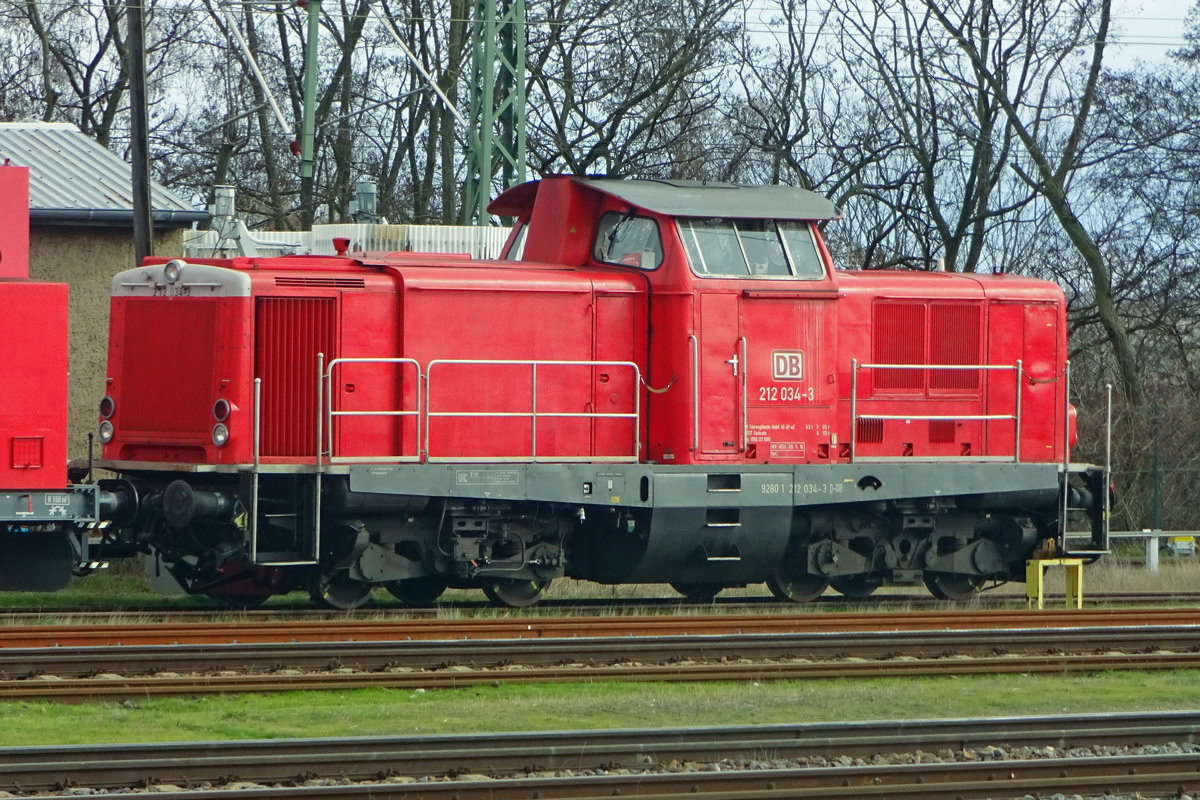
(117, 687)
(27, 769)
(133, 660)
(579, 607)
(1174, 774)
(550, 627)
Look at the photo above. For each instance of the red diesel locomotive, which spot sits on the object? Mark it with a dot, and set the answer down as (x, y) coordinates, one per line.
(661, 381)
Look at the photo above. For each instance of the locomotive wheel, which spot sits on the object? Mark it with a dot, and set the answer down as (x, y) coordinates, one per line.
(244, 602)
(854, 587)
(953, 586)
(698, 593)
(417, 591)
(797, 587)
(338, 590)
(515, 593)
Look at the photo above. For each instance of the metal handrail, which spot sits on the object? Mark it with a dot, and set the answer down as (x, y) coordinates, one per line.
(330, 414)
(1107, 459)
(744, 409)
(255, 471)
(257, 422)
(694, 346)
(316, 549)
(533, 414)
(1064, 510)
(1017, 368)
(1106, 474)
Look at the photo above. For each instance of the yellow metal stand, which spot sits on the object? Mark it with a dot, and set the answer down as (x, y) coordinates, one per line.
(1035, 572)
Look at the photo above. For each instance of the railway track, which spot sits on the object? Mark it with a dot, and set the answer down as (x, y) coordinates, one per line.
(132, 671)
(439, 655)
(1001, 757)
(178, 611)
(260, 631)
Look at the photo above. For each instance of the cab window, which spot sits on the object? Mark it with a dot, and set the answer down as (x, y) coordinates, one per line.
(517, 248)
(802, 249)
(750, 248)
(628, 240)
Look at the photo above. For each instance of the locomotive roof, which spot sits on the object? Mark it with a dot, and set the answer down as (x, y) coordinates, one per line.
(682, 198)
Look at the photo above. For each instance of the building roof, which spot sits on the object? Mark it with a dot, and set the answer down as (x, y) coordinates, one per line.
(74, 180)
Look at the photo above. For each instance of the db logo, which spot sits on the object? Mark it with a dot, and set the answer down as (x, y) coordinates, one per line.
(787, 365)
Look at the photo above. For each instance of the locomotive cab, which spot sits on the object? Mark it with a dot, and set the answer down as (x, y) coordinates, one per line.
(742, 305)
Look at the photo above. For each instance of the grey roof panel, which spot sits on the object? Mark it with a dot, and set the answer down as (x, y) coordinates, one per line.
(73, 179)
(702, 199)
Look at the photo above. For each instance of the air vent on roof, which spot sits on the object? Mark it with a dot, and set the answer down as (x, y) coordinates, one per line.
(320, 282)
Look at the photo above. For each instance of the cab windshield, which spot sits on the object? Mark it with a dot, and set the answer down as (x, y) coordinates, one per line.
(750, 248)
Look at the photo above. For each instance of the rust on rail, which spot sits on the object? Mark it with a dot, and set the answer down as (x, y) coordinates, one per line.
(557, 627)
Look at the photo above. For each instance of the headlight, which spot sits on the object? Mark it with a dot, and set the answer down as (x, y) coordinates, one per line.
(106, 431)
(221, 410)
(172, 269)
(107, 407)
(220, 435)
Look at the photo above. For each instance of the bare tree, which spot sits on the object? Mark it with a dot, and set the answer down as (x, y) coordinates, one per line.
(77, 52)
(420, 148)
(1051, 130)
(946, 122)
(620, 87)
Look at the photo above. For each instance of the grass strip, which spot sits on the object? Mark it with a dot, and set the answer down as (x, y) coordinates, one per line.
(372, 712)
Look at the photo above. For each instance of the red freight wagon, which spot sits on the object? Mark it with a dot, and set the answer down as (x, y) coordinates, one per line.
(44, 520)
(34, 414)
(660, 381)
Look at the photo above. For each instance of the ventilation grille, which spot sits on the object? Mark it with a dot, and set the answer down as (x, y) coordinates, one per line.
(954, 339)
(869, 431)
(921, 333)
(941, 431)
(289, 333)
(899, 339)
(27, 452)
(320, 282)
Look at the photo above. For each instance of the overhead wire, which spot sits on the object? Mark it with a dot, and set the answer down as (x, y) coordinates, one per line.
(759, 26)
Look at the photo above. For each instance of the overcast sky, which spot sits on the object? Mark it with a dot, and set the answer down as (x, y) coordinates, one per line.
(1148, 29)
